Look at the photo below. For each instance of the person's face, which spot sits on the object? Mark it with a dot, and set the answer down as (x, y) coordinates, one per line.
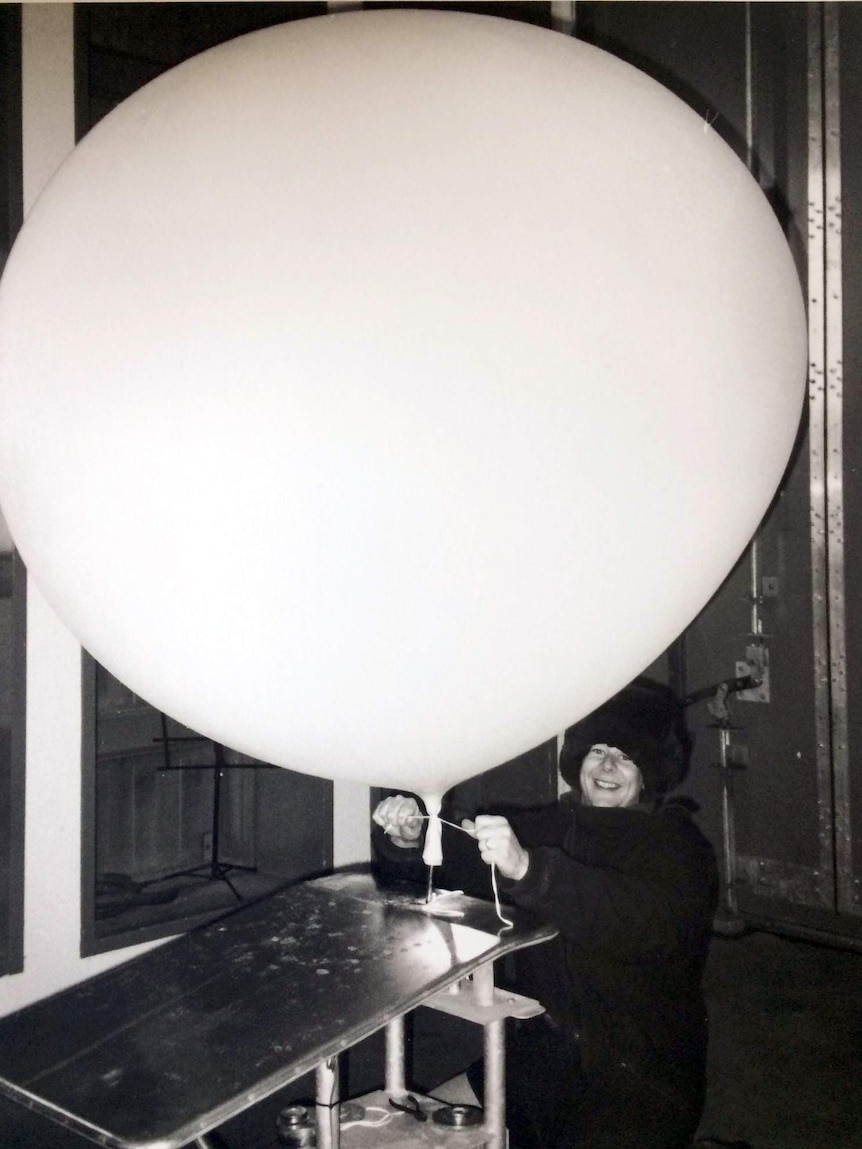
(609, 777)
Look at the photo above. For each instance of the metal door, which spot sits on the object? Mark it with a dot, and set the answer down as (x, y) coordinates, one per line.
(773, 766)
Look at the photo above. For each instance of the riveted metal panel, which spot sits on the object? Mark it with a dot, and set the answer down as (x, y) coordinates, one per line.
(768, 878)
(834, 397)
(780, 744)
(817, 438)
(770, 83)
(848, 672)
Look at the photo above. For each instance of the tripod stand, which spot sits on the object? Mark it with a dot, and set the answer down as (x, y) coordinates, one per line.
(213, 870)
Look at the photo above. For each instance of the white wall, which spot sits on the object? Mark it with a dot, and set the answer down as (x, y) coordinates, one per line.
(52, 926)
(350, 823)
(52, 859)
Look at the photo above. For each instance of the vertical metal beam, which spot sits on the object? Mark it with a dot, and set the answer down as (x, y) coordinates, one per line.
(729, 902)
(749, 88)
(52, 844)
(395, 1052)
(495, 1084)
(756, 624)
(834, 455)
(563, 16)
(495, 1061)
(817, 449)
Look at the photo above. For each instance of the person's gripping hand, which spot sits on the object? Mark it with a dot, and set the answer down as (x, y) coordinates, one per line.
(401, 820)
(498, 845)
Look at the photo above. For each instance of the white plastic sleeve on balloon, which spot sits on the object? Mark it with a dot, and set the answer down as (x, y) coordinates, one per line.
(432, 854)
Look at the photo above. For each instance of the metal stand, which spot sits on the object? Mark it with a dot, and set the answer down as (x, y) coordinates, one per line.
(728, 921)
(213, 870)
(419, 1123)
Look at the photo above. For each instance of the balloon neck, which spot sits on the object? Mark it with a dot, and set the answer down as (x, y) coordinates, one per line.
(432, 854)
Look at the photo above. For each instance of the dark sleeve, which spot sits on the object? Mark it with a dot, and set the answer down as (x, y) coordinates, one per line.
(545, 826)
(655, 895)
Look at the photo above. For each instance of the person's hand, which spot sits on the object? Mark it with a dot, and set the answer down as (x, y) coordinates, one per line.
(498, 845)
(400, 819)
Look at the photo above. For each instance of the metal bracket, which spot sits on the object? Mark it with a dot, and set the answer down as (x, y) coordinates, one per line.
(465, 1003)
(755, 664)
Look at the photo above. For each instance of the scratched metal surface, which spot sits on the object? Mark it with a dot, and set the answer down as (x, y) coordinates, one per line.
(171, 1044)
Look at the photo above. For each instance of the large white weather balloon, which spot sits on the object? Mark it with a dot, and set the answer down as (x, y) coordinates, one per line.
(371, 386)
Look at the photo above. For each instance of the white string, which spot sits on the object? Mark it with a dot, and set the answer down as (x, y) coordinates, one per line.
(384, 1119)
(506, 922)
(454, 825)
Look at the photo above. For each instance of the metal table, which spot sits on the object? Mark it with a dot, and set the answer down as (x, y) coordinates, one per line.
(158, 1051)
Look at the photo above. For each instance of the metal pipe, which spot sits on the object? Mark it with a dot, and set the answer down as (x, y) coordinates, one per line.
(728, 823)
(483, 984)
(563, 16)
(749, 89)
(495, 1084)
(495, 1061)
(755, 623)
(395, 1083)
(328, 1121)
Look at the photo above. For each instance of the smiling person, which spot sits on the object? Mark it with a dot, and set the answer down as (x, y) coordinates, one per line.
(618, 1059)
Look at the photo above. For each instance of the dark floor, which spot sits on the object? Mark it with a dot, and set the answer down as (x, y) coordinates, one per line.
(785, 1055)
(785, 1044)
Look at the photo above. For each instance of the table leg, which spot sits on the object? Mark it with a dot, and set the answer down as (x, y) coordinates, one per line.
(395, 1083)
(495, 1060)
(495, 1084)
(328, 1119)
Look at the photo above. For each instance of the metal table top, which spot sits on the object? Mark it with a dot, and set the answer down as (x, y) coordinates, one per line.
(171, 1044)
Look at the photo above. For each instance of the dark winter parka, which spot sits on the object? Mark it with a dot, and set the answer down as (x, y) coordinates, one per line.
(633, 893)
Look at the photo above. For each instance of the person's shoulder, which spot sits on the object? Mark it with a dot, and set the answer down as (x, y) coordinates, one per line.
(678, 813)
(616, 830)
(543, 825)
(679, 831)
